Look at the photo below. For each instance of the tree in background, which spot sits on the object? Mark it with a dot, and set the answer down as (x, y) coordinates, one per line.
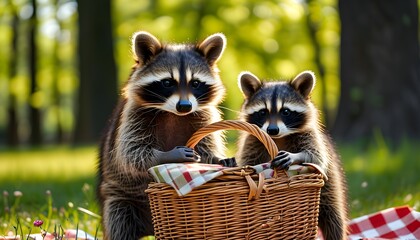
(380, 70)
(56, 62)
(273, 39)
(97, 70)
(35, 112)
(12, 123)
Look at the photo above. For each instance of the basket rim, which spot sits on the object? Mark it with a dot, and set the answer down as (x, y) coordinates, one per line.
(253, 129)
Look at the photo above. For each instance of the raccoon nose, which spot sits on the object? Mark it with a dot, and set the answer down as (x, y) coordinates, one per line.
(273, 130)
(184, 106)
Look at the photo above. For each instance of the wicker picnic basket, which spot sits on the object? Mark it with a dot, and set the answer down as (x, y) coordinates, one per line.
(240, 204)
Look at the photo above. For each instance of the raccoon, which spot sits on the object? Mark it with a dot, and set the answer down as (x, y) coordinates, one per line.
(173, 90)
(284, 110)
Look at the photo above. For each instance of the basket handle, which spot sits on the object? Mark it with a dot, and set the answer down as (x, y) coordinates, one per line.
(264, 138)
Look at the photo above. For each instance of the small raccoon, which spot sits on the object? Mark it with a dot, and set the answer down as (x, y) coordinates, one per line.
(173, 90)
(285, 112)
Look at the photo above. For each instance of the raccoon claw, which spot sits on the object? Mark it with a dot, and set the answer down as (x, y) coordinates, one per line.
(228, 162)
(282, 161)
(283, 164)
(179, 154)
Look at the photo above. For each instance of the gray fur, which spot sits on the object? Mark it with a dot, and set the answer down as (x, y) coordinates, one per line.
(139, 131)
(309, 141)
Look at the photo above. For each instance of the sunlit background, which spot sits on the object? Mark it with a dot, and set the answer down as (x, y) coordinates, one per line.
(272, 39)
(61, 70)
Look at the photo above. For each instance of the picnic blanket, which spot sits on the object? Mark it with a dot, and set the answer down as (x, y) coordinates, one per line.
(393, 223)
(402, 223)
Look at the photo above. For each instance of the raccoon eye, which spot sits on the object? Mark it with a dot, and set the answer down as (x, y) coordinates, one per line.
(263, 112)
(285, 112)
(195, 83)
(168, 82)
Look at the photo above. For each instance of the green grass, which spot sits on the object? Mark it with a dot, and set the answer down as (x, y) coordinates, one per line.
(378, 178)
(69, 177)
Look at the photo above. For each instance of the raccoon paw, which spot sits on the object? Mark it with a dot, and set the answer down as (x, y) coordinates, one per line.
(284, 159)
(228, 162)
(179, 154)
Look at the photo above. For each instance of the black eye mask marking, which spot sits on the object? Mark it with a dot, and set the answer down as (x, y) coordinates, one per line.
(292, 119)
(158, 91)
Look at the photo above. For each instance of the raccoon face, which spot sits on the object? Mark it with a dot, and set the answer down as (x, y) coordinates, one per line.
(180, 79)
(279, 108)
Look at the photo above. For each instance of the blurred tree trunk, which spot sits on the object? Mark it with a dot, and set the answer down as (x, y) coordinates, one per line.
(380, 70)
(56, 91)
(55, 75)
(97, 70)
(12, 121)
(35, 113)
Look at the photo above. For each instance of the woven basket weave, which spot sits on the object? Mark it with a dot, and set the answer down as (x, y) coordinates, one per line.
(239, 204)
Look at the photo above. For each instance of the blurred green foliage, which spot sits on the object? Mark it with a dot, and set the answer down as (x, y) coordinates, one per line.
(56, 66)
(273, 39)
(269, 38)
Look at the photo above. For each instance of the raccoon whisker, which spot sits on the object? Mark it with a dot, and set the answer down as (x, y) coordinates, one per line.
(202, 96)
(200, 115)
(208, 95)
(146, 108)
(296, 124)
(155, 94)
(205, 108)
(229, 109)
(149, 107)
(172, 101)
(215, 89)
(293, 127)
(204, 116)
(203, 113)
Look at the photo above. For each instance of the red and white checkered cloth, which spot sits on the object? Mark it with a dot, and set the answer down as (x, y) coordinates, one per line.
(393, 223)
(184, 177)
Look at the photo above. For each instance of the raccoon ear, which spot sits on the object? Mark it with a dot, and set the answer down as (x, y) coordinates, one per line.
(212, 47)
(145, 47)
(248, 83)
(304, 83)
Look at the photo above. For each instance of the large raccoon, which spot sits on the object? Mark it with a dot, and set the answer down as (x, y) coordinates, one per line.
(173, 90)
(284, 110)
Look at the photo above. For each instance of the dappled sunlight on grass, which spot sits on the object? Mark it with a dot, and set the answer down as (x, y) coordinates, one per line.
(378, 161)
(59, 164)
(380, 177)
